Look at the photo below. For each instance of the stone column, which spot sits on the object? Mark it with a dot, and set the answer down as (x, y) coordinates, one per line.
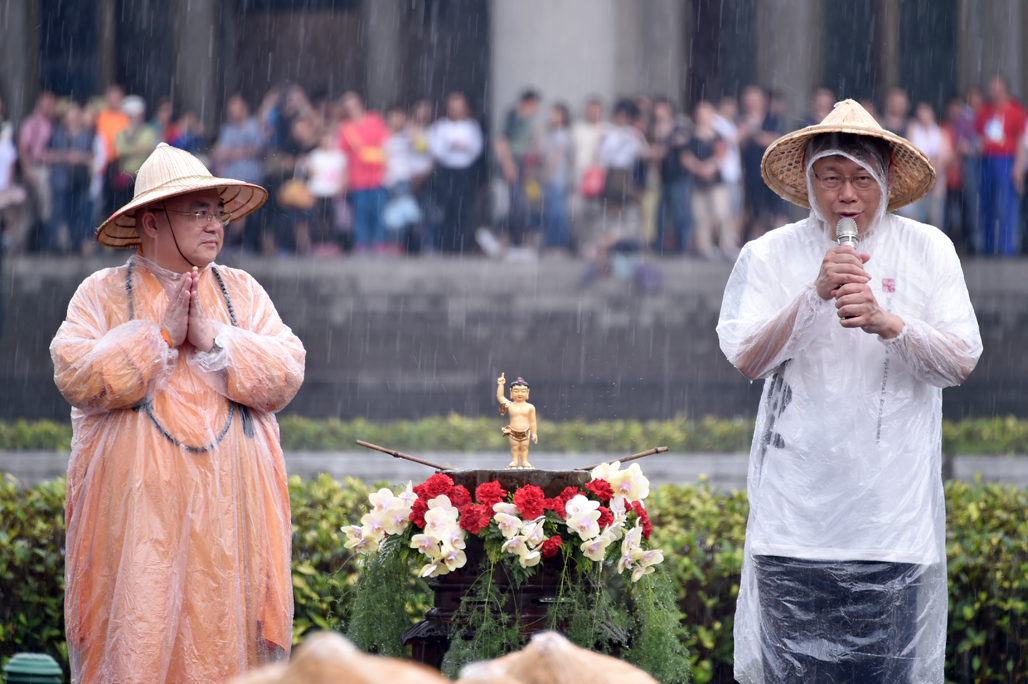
(889, 26)
(789, 55)
(198, 44)
(107, 43)
(384, 47)
(989, 41)
(660, 61)
(19, 56)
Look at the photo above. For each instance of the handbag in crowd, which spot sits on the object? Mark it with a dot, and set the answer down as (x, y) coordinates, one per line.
(593, 181)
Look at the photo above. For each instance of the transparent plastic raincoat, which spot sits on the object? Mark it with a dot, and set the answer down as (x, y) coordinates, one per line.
(178, 545)
(845, 561)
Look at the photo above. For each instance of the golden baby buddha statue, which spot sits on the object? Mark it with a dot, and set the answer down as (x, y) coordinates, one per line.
(523, 425)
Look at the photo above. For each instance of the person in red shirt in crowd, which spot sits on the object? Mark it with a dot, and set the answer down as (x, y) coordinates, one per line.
(362, 137)
(1001, 123)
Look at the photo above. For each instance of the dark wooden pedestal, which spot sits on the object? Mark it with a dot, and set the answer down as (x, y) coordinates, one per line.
(430, 638)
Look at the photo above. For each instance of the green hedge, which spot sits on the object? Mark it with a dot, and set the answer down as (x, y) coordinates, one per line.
(700, 531)
(456, 433)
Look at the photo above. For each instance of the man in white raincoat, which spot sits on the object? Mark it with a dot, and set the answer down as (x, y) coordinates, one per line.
(178, 550)
(844, 574)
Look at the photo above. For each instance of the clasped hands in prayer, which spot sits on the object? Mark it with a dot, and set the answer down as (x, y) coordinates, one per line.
(843, 278)
(184, 320)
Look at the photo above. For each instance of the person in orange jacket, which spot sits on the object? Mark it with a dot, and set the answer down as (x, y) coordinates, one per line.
(178, 522)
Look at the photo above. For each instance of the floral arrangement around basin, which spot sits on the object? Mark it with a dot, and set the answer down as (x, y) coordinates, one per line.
(525, 526)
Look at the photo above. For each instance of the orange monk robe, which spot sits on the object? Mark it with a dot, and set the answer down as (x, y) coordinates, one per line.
(178, 560)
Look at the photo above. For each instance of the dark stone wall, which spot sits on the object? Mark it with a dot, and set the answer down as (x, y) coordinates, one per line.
(403, 339)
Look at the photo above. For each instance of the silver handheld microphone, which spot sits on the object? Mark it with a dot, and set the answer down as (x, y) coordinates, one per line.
(846, 233)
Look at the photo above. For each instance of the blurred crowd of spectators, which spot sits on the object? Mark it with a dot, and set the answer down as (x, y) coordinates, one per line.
(627, 179)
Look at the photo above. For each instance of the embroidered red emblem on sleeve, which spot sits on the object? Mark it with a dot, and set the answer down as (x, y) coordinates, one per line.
(888, 285)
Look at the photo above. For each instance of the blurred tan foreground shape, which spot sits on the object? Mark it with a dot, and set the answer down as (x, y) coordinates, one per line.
(549, 658)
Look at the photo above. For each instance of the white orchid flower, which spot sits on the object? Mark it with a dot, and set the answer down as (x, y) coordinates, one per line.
(453, 559)
(441, 516)
(641, 571)
(631, 483)
(434, 569)
(580, 504)
(508, 524)
(651, 557)
(534, 533)
(515, 545)
(452, 538)
(618, 506)
(442, 502)
(373, 525)
(527, 557)
(383, 499)
(605, 471)
(358, 541)
(426, 544)
(395, 520)
(633, 540)
(596, 548)
(530, 559)
(586, 524)
(505, 508)
(408, 497)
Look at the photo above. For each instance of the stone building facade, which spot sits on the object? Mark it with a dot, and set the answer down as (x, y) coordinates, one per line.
(199, 51)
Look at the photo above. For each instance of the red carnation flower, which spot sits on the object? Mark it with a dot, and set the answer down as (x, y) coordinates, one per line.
(557, 503)
(529, 500)
(551, 546)
(569, 493)
(417, 512)
(474, 518)
(460, 496)
(437, 485)
(641, 513)
(490, 493)
(602, 489)
(606, 517)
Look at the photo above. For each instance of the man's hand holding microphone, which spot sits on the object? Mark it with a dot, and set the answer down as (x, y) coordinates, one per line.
(843, 278)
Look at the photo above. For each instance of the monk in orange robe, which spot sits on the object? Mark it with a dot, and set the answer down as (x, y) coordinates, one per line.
(178, 544)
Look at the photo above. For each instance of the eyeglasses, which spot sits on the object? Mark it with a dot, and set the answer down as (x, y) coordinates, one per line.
(833, 181)
(222, 217)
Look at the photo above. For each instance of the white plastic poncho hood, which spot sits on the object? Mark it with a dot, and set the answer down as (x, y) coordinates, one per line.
(845, 463)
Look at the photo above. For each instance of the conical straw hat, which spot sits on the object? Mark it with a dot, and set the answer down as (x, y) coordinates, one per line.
(486, 672)
(783, 166)
(550, 658)
(169, 172)
(269, 674)
(329, 658)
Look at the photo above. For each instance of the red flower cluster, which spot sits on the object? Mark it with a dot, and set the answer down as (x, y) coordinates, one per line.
(475, 517)
(460, 496)
(530, 501)
(641, 513)
(417, 512)
(602, 489)
(490, 493)
(606, 517)
(557, 503)
(551, 546)
(437, 485)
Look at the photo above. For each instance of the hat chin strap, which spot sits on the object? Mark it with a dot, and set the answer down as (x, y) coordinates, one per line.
(174, 238)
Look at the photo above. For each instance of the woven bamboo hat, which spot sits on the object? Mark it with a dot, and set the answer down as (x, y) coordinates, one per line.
(784, 163)
(169, 172)
(549, 658)
(328, 658)
(485, 672)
